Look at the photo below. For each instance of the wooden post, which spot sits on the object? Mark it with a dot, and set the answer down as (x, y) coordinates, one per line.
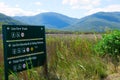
(45, 66)
(45, 70)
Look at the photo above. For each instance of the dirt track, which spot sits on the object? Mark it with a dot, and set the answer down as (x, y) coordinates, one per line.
(115, 76)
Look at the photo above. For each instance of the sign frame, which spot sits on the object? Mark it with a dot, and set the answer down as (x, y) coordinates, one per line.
(8, 40)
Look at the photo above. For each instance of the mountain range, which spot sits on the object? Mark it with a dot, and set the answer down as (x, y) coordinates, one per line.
(50, 19)
(8, 20)
(99, 22)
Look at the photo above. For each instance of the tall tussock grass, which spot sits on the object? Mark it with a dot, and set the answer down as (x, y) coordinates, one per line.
(69, 58)
(73, 58)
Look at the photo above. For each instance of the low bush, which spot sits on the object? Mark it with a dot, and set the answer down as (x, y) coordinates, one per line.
(110, 45)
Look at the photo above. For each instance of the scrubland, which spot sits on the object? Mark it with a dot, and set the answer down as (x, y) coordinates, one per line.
(70, 57)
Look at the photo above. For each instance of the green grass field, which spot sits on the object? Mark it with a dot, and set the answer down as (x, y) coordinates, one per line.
(70, 57)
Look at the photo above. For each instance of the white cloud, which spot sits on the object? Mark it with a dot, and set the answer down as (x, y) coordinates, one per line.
(14, 11)
(38, 3)
(16, 5)
(79, 4)
(88, 7)
(110, 8)
(64, 1)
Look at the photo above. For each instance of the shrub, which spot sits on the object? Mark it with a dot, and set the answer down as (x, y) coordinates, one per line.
(110, 45)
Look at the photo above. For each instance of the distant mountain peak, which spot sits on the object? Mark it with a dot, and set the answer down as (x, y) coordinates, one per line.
(49, 19)
(97, 22)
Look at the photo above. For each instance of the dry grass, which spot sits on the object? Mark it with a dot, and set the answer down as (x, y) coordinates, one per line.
(70, 57)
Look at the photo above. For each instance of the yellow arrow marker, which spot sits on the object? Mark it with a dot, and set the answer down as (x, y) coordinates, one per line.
(32, 49)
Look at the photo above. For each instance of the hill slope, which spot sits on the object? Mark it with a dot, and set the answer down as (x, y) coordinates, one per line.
(97, 22)
(50, 19)
(8, 20)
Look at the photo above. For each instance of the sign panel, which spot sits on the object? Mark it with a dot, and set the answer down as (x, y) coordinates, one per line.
(24, 47)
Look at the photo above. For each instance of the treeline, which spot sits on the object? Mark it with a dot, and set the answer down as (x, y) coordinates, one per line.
(48, 31)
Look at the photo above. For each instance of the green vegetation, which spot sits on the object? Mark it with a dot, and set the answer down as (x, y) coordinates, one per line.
(8, 20)
(97, 22)
(53, 31)
(73, 57)
(110, 45)
(51, 20)
(70, 58)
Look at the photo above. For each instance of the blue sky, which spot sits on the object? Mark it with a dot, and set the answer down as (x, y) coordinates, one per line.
(72, 8)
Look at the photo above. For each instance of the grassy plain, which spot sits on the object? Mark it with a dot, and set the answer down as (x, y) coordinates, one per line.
(70, 57)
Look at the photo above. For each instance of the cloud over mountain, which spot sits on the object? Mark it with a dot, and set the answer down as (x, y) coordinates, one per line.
(79, 4)
(14, 11)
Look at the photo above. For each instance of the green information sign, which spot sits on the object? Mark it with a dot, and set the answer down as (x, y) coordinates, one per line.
(24, 47)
